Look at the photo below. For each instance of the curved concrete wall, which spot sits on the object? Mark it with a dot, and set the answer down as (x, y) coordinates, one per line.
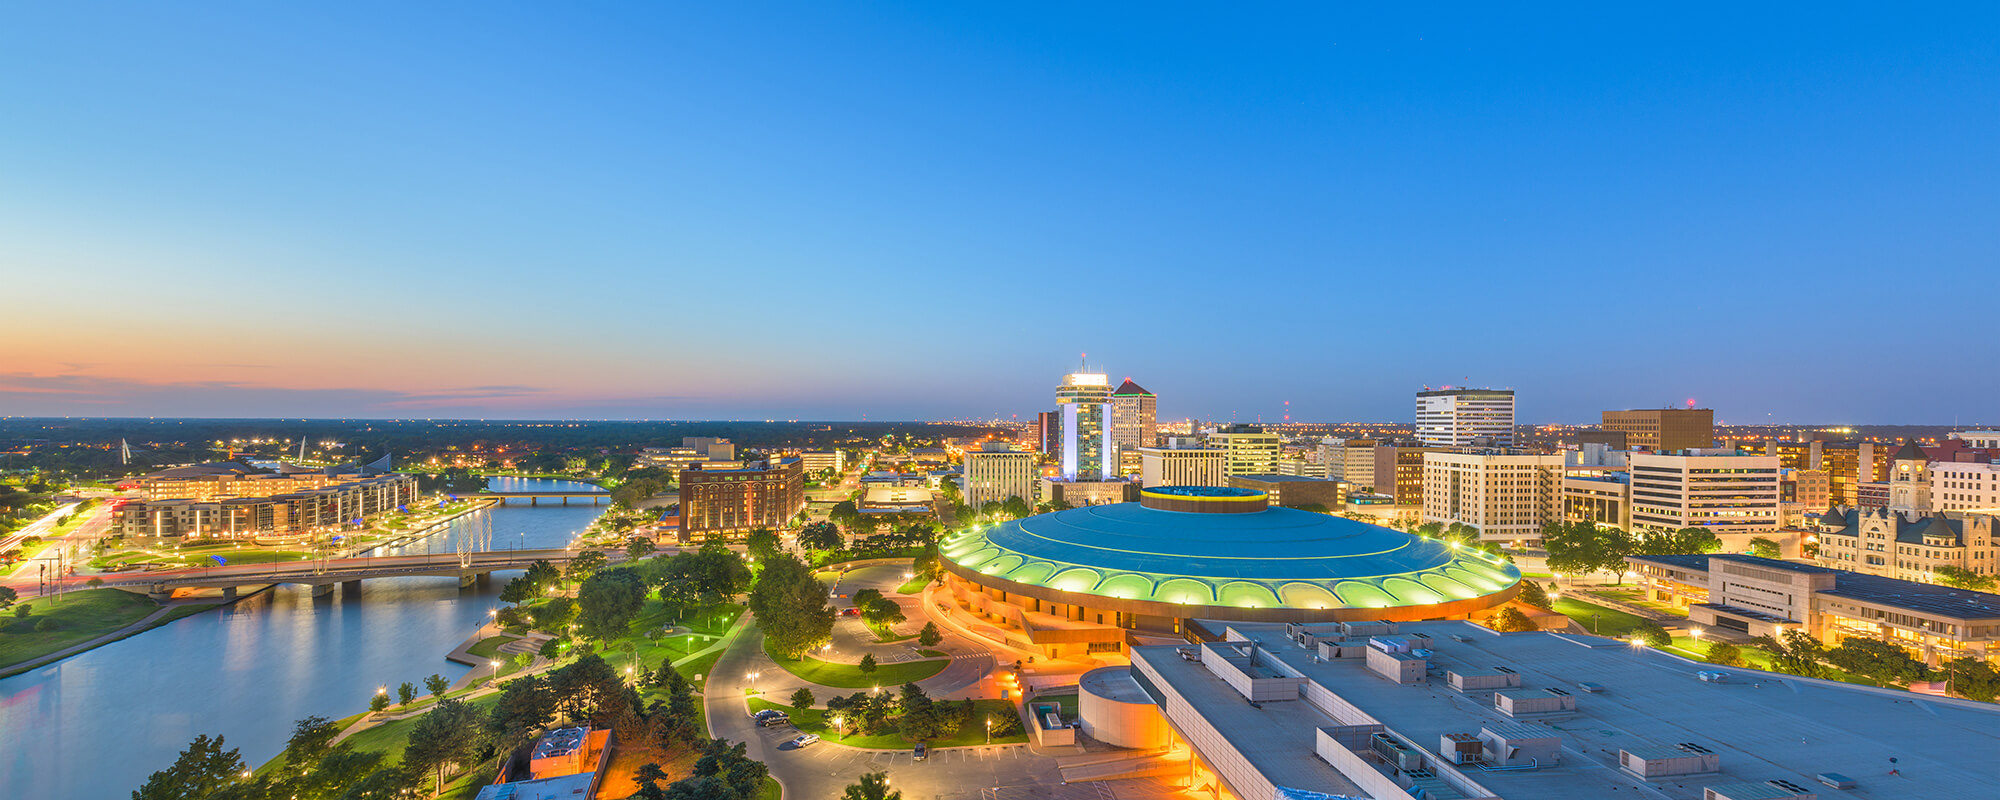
(1115, 721)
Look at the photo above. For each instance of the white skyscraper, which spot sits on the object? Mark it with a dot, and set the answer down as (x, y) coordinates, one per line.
(1465, 417)
(1084, 401)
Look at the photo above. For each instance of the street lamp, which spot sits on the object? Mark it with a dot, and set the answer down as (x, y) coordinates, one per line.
(496, 669)
(839, 728)
(753, 682)
(989, 730)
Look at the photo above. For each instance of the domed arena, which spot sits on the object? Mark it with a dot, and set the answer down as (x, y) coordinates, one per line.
(1088, 580)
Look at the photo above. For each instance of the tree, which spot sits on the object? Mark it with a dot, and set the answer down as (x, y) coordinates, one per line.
(585, 563)
(871, 786)
(1795, 653)
(821, 537)
(1764, 548)
(543, 575)
(1532, 594)
(94, 582)
(525, 705)
(1972, 678)
(202, 769)
(1582, 547)
(1962, 578)
(1511, 620)
(1680, 542)
(1015, 507)
(929, 636)
(867, 664)
(311, 738)
(673, 720)
(920, 718)
(437, 684)
(519, 590)
(865, 596)
(1723, 654)
(762, 544)
(446, 736)
(1651, 633)
(1876, 660)
(7, 596)
(638, 548)
(406, 693)
(379, 703)
(554, 616)
(790, 605)
(883, 611)
(610, 600)
(803, 698)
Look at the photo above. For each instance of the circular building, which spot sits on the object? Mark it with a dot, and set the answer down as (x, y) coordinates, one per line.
(1074, 581)
(1115, 711)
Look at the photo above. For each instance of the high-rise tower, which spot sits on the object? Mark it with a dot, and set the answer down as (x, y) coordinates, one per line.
(1084, 400)
(1134, 419)
(1465, 417)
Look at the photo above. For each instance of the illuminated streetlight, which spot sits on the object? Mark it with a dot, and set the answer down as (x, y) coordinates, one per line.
(496, 669)
(989, 730)
(753, 682)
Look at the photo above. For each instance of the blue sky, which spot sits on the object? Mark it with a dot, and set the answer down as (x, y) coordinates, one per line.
(914, 211)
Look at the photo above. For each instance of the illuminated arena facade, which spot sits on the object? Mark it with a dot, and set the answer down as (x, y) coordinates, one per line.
(1094, 579)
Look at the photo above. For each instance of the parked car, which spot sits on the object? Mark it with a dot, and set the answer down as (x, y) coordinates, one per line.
(850, 612)
(778, 718)
(923, 751)
(804, 739)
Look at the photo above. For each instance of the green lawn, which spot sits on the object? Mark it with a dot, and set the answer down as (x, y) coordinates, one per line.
(914, 585)
(813, 720)
(886, 634)
(490, 646)
(81, 616)
(1609, 622)
(390, 737)
(1066, 701)
(849, 676)
(771, 790)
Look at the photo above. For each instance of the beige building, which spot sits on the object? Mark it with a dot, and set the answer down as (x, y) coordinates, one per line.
(1247, 449)
(1506, 497)
(1182, 462)
(822, 460)
(1905, 545)
(1135, 417)
(1761, 596)
(996, 471)
(1663, 429)
(1960, 486)
(1801, 492)
(1724, 493)
(1351, 460)
(1466, 417)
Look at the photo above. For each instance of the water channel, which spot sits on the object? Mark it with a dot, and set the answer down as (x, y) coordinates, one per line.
(96, 724)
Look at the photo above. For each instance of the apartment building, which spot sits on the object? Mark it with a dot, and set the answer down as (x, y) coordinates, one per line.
(996, 471)
(1182, 461)
(729, 499)
(1506, 497)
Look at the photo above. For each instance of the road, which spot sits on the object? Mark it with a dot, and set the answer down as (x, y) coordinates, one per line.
(277, 572)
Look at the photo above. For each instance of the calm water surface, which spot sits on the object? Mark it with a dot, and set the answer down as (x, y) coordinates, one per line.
(95, 725)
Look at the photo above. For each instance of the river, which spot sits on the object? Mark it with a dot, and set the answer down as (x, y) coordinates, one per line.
(96, 724)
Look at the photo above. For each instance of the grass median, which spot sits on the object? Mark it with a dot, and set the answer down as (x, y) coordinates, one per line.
(850, 676)
(973, 732)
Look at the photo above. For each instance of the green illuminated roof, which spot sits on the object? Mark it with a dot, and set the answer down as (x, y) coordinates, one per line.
(1277, 557)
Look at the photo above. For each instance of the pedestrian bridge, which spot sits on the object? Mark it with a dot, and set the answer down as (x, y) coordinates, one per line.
(324, 574)
(536, 498)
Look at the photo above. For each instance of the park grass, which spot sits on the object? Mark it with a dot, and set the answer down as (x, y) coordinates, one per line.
(1065, 701)
(771, 790)
(914, 585)
(489, 647)
(886, 634)
(82, 616)
(850, 676)
(389, 738)
(814, 720)
(1610, 621)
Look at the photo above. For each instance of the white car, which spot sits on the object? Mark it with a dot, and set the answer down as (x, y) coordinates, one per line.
(804, 739)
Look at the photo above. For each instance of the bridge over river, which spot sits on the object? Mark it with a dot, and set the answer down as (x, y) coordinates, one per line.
(322, 575)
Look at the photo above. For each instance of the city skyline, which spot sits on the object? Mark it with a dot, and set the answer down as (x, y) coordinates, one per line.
(388, 212)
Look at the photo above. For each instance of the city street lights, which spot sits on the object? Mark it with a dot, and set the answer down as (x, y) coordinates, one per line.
(838, 727)
(753, 682)
(989, 730)
(495, 664)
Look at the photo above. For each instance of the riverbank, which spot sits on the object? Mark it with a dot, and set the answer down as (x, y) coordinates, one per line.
(84, 620)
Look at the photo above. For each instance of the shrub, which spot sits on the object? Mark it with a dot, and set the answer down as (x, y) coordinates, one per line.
(1511, 620)
(1651, 633)
(45, 623)
(1724, 654)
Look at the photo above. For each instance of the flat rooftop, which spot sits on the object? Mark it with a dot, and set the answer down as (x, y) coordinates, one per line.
(1921, 597)
(1763, 725)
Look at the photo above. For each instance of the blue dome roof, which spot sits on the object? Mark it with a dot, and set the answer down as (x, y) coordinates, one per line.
(1277, 557)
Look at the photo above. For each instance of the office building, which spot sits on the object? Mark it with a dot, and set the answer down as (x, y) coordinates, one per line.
(1465, 417)
(1087, 452)
(732, 500)
(1182, 461)
(1764, 597)
(823, 460)
(1134, 420)
(1452, 710)
(1048, 433)
(1293, 491)
(1801, 492)
(1984, 440)
(1351, 460)
(1720, 491)
(1247, 449)
(1661, 429)
(1301, 466)
(1965, 486)
(996, 471)
(1506, 497)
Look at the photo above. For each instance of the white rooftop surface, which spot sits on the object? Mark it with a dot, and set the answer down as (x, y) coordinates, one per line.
(1763, 725)
(1277, 739)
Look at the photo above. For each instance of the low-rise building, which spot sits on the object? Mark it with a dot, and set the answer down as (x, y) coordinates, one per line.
(1292, 491)
(1454, 710)
(1764, 596)
(823, 460)
(1905, 545)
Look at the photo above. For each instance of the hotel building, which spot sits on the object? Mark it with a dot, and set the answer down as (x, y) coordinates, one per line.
(1182, 461)
(996, 471)
(1466, 417)
(732, 500)
(1246, 449)
(1722, 492)
(1506, 497)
